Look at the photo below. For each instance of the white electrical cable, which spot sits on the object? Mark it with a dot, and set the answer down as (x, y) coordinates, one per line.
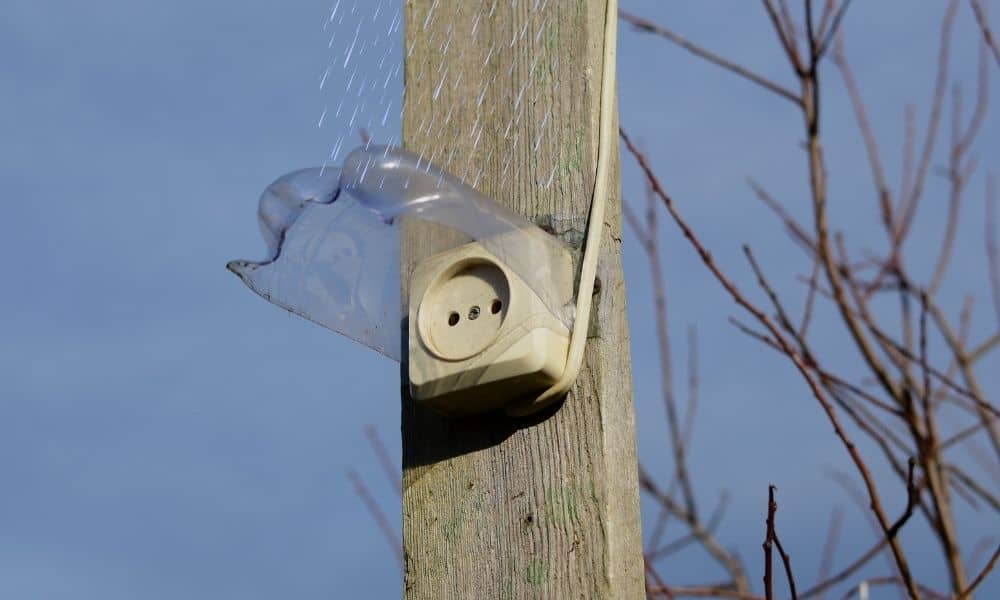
(592, 250)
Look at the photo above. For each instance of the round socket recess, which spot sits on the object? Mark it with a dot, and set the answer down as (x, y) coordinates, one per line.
(463, 310)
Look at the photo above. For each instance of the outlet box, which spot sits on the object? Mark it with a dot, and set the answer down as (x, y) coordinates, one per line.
(479, 336)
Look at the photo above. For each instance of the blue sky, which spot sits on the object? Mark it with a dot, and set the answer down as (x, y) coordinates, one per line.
(167, 434)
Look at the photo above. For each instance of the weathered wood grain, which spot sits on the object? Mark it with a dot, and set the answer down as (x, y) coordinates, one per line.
(495, 507)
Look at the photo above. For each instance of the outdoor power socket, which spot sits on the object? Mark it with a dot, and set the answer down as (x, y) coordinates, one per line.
(479, 336)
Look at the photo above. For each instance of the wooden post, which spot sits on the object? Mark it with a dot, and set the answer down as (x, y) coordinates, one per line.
(506, 94)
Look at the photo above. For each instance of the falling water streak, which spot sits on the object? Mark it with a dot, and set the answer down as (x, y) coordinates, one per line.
(333, 13)
(493, 9)
(447, 42)
(322, 117)
(458, 80)
(538, 35)
(552, 176)
(475, 24)
(541, 131)
(437, 91)
(332, 37)
(385, 56)
(482, 94)
(534, 65)
(520, 94)
(350, 50)
(489, 55)
(430, 13)
(392, 26)
(322, 82)
(361, 86)
(386, 115)
(378, 9)
(430, 162)
(336, 148)
(517, 119)
(506, 167)
(350, 80)
(364, 172)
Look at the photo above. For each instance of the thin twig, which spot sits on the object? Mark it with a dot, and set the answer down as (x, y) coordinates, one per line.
(982, 575)
(392, 472)
(830, 35)
(647, 26)
(908, 206)
(795, 230)
(828, 582)
(830, 545)
(898, 582)
(373, 508)
(984, 26)
(705, 537)
(871, 145)
(705, 592)
(787, 38)
(992, 246)
(772, 507)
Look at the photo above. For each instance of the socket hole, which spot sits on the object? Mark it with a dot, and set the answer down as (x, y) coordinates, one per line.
(474, 313)
(453, 319)
(496, 306)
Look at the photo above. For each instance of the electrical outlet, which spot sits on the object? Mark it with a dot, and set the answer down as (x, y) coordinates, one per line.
(479, 336)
